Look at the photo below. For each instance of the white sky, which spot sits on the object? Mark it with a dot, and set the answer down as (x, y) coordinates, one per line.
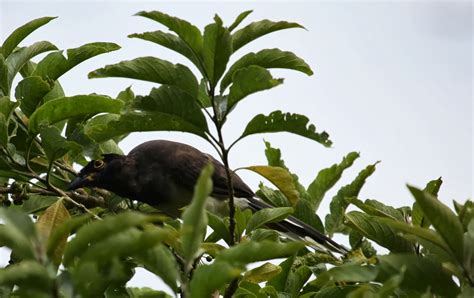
(393, 80)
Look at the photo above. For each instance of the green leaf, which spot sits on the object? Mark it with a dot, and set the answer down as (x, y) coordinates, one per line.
(37, 203)
(189, 33)
(106, 128)
(217, 48)
(427, 235)
(55, 64)
(251, 252)
(221, 230)
(239, 19)
(152, 69)
(257, 29)
(328, 177)
(262, 273)
(48, 222)
(279, 122)
(161, 262)
(378, 231)
(339, 202)
(208, 279)
(433, 276)
(266, 216)
(417, 215)
(173, 101)
(267, 58)
(28, 275)
(171, 42)
(250, 80)
(68, 107)
(4, 85)
(274, 197)
(18, 233)
(30, 92)
(193, 229)
(7, 108)
(305, 213)
(54, 145)
(374, 207)
(146, 293)
(22, 55)
(443, 220)
(14, 39)
(346, 273)
(280, 178)
(100, 230)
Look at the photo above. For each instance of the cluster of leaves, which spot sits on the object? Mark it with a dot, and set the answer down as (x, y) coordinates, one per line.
(78, 245)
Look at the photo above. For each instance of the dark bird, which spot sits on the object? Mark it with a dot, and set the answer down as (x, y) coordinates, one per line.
(163, 173)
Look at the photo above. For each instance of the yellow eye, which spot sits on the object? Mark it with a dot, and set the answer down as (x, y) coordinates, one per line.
(98, 164)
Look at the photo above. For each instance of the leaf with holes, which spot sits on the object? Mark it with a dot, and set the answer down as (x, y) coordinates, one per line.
(292, 123)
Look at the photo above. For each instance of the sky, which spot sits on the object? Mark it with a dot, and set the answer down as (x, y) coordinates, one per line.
(392, 80)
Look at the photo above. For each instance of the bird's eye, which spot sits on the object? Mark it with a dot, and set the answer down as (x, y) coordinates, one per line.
(98, 164)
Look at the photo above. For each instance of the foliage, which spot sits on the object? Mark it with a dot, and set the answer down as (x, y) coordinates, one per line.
(88, 243)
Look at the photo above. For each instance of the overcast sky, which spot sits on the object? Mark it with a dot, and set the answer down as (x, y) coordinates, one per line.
(393, 81)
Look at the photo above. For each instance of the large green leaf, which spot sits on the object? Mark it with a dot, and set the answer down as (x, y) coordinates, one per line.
(281, 178)
(420, 274)
(262, 273)
(268, 215)
(55, 64)
(252, 251)
(101, 230)
(250, 80)
(279, 122)
(22, 55)
(378, 231)
(7, 108)
(106, 128)
(194, 225)
(217, 48)
(171, 42)
(427, 235)
(153, 70)
(172, 101)
(339, 202)
(30, 92)
(54, 144)
(267, 58)
(18, 233)
(257, 29)
(50, 221)
(239, 19)
(68, 107)
(189, 33)
(417, 215)
(346, 273)
(443, 220)
(208, 279)
(14, 39)
(327, 177)
(374, 207)
(161, 262)
(29, 275)
(4, 85)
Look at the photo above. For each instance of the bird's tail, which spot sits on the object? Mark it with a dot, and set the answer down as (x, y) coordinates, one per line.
(298, 229)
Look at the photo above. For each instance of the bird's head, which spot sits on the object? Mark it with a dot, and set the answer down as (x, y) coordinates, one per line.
(91, 175)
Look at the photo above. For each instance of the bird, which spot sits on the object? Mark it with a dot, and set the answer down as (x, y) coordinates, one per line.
(163, 173)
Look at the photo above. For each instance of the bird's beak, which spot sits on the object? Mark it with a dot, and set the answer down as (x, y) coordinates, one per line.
(78, 182)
